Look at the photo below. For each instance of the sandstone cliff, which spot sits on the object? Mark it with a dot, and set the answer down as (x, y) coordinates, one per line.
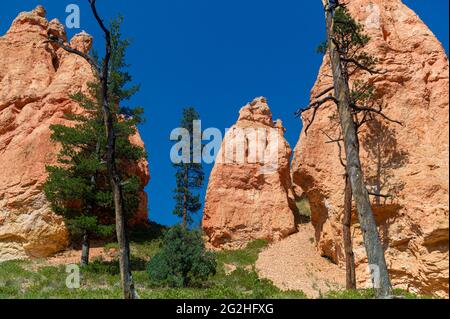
(35, 82)
(409, 162)
(249, 193)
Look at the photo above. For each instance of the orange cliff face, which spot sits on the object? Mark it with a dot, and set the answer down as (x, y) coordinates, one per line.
(250, 196)
(36, 79)
(410, 162)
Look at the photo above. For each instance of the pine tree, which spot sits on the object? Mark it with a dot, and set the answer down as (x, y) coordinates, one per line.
(182, 260)
(79, 188)
(189, 175)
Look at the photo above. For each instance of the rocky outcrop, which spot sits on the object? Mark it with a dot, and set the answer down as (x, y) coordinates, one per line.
(36, 79)
(410, 162)
(249, 193)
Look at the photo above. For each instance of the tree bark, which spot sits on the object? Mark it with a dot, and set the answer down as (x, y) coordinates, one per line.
(374, 249)
(347, 236)
(85, 249)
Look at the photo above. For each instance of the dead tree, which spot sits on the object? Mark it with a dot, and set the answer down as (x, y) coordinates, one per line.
(360, 92)
(109, 118)
(350, 268)
(345, 44)
(339, 64)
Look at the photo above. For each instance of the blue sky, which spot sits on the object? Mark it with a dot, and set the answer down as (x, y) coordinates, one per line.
(216, 56)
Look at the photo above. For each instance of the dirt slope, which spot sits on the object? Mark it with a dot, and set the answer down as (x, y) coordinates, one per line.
(295, 264)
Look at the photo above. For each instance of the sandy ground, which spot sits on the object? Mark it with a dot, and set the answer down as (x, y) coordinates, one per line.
(73, 256)
(295, 264)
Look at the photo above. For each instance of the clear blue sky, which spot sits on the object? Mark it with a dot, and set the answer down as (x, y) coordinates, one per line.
(216, 56)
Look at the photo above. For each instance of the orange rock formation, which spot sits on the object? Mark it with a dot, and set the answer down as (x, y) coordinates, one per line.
(250, 193)
(36, 79)
(410, 162)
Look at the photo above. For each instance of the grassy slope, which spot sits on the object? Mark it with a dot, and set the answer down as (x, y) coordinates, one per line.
(32, 279)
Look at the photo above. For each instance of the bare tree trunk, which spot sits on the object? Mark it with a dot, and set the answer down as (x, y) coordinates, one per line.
(185, 199)
(108, 117)
(122, 239)
(347, 236)
(85, 249)
(185, 211)
(124, 248)
(374, 249)
(85, 246)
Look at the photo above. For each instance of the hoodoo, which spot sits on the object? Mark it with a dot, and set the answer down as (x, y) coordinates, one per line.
(408, 163)
(36, 79)
(250, 193)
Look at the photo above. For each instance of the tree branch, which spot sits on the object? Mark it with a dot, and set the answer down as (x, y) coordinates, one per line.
(99, 20)
(107, 33)
(366, 118)
(59, 42)
(379, 112)
(380, 195)
(338, 142)
(334, 141)
(361, 66)
(314, 106)
(311, 121)
(317, 104)
(324, 92)
(340, 156)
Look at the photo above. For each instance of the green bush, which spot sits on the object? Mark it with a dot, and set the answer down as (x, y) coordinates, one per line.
(182, 260)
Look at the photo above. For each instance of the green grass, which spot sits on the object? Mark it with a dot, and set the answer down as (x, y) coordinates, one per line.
(100, 280)
(243, 257)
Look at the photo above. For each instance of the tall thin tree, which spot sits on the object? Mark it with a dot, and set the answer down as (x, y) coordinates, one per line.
(339, 64)
(110, 99)
(350, 267)
(360, 92)
(189, 173)
(345, 44)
